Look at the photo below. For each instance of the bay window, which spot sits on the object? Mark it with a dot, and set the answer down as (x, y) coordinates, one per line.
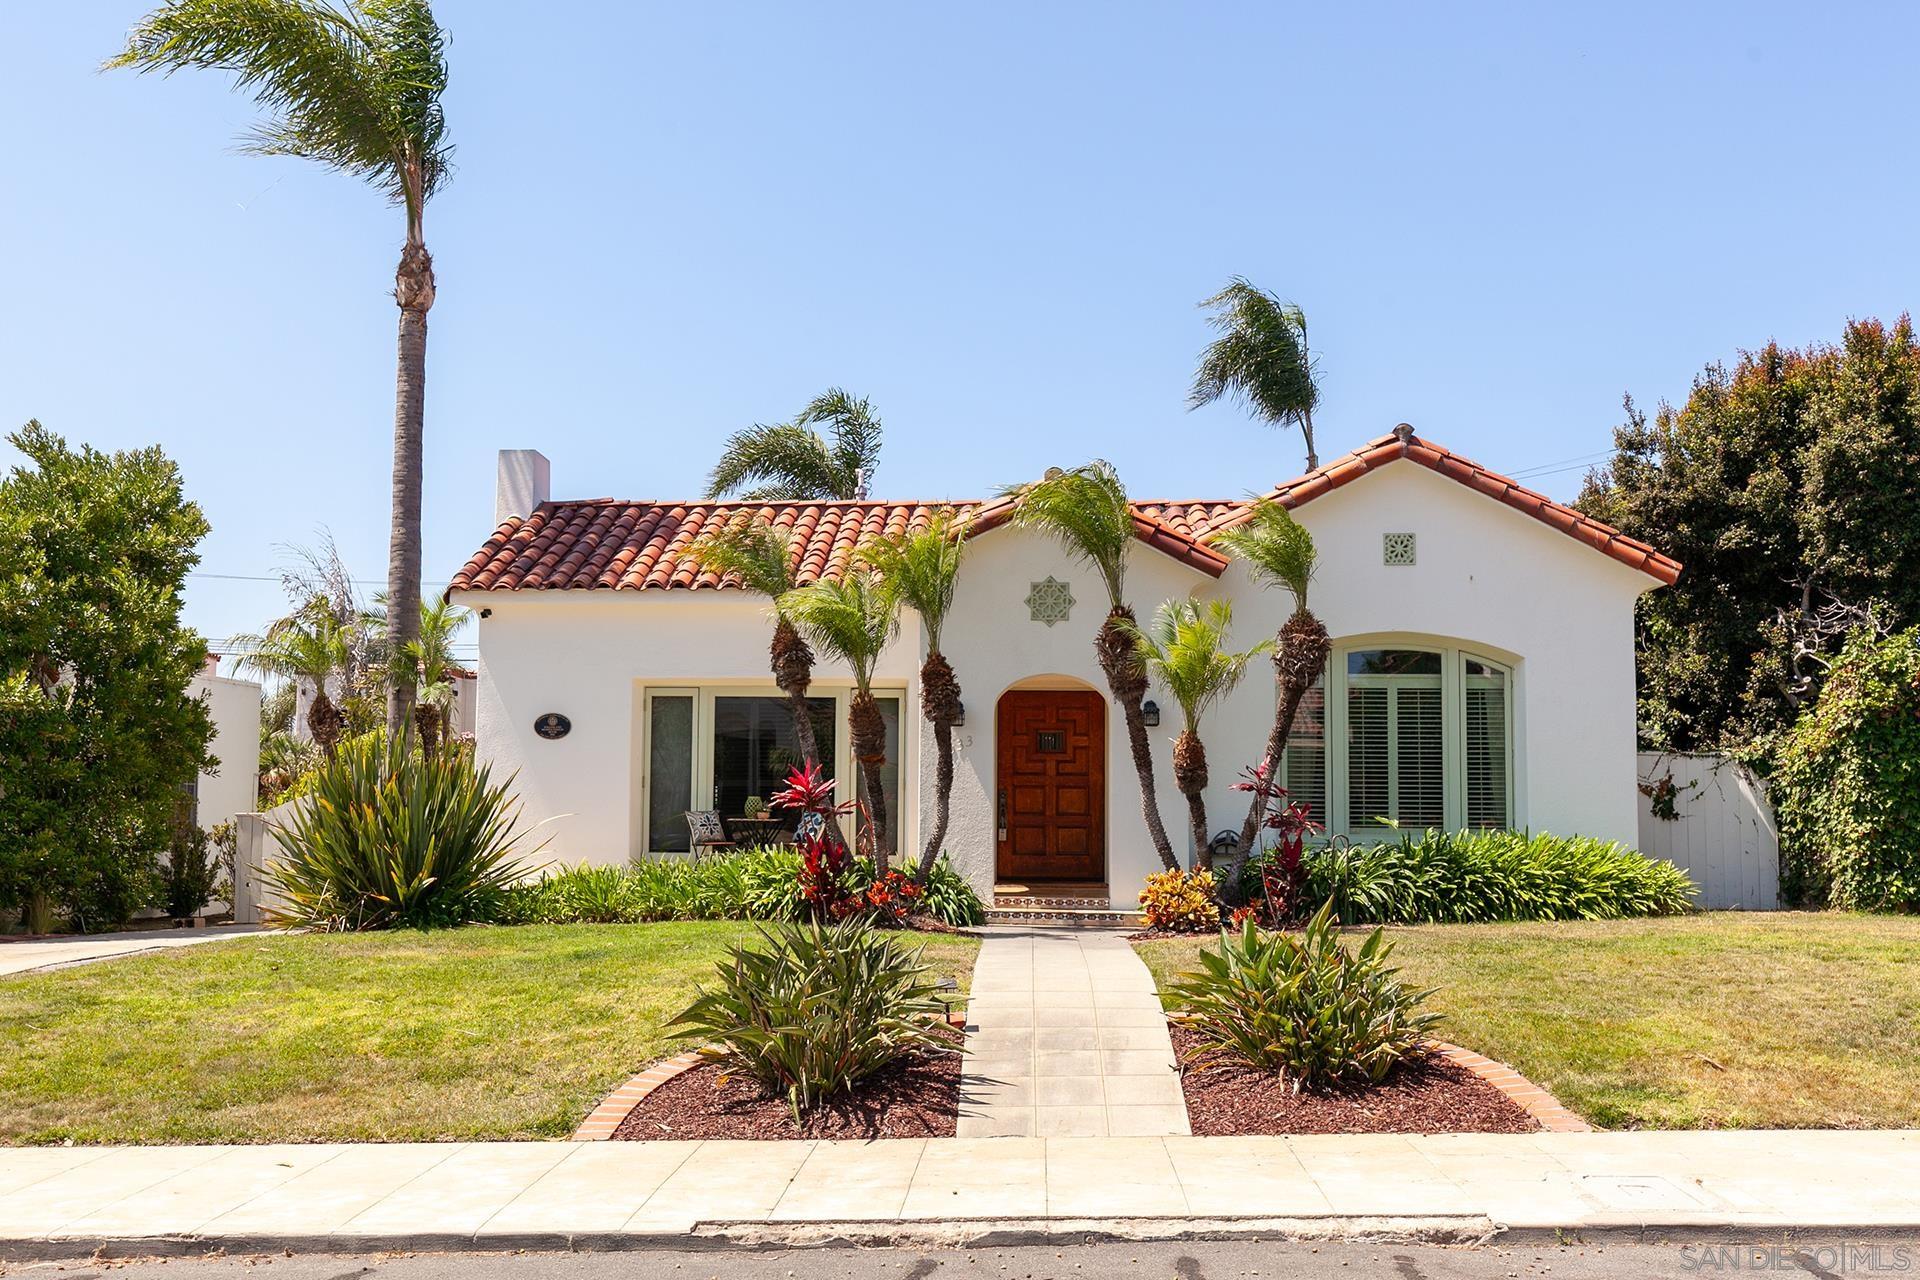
(1422, 736)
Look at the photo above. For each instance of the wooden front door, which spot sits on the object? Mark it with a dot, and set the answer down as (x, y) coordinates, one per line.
(1051, 799)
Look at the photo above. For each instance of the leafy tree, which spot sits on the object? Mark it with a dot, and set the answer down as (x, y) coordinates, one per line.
(1086, 511)
(1847, 782)
(1260, 359)
(356, 86)
(855, 619)
(1185, 649)
(790, 462)
(98, 733)
(760, 558)
(1278, 551)
(1787, 486)
(924, 567)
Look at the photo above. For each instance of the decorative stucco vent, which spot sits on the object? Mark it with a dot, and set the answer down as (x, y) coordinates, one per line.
(1050, 600)
(1396, 548)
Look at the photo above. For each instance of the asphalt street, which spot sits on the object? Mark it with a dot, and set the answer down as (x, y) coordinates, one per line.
(1190, 1260)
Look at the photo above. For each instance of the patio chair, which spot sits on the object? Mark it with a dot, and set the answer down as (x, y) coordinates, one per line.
(709, 833)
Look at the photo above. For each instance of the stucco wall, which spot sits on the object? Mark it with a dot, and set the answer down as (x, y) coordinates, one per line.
(1487, 578)
(590, 656)
(234, 706)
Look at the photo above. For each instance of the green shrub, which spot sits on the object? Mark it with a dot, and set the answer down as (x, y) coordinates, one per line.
(1450, 877)
(190, 870)
(1303, 1005)
(1846, 785)
(949, 899)
(388, 837)
(812, 1010)
(745, 884)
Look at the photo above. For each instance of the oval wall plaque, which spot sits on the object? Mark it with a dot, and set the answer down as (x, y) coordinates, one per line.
(553, 725)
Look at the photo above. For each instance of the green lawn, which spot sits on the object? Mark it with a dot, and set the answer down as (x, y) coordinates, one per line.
(1724, 1020)
(464, 1034)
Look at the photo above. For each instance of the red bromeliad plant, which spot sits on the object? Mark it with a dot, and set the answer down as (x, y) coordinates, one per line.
(829, 880)
(1281, 874)
(824, 856)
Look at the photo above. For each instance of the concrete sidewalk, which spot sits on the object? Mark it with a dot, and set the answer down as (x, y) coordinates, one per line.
(82, 948)
(70, 1200)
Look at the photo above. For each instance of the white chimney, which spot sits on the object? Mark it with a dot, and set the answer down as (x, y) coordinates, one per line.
(525, 481)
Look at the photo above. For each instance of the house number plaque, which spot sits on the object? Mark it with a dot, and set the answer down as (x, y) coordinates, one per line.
(553, 725)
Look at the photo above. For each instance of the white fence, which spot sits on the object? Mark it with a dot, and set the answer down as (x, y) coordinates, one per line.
(1722, 833)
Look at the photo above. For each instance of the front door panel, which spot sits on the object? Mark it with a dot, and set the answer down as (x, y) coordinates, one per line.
(1051, 800)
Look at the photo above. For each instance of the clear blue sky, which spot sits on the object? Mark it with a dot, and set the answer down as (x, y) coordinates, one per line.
(671, 220)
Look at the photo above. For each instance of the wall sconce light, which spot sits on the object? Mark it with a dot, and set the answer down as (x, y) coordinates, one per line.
(1150, 714)
(960, 717)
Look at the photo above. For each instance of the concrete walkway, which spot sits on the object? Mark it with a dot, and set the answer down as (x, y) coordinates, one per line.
(1066, 1038)
(82, 948)
(69, 1200)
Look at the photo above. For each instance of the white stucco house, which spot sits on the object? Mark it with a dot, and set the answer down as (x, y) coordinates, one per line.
(1483, 672)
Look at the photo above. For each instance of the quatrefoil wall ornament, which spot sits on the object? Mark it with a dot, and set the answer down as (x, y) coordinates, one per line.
(1050, 600)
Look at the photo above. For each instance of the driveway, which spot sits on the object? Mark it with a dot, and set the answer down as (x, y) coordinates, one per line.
(57, 953)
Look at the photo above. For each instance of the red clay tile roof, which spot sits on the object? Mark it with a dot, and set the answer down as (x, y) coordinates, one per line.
(604, 544)
(1603, 538)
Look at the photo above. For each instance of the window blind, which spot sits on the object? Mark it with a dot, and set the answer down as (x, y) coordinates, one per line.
(1420, 782)
(1303, 765)
(1368, 796)
(1487, 745)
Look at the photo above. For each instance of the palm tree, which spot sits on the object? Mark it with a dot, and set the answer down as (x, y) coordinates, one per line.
(790, 462)
(1279, 551)
(923, 568)
(429, 661)
(1087, 512)
(355, 85)
(1185, 650)
(760, 557)
(855, 619)
(308, 645)
(1260, 359)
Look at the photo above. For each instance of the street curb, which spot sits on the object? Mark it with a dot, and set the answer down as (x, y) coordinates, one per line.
(978, 1234)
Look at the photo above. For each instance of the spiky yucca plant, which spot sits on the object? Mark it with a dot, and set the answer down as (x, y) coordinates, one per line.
(1185, 650)
(1279, 551)
(760, 558)
(855, 619)
(386, 837)
(924, 567)
(1086, 511)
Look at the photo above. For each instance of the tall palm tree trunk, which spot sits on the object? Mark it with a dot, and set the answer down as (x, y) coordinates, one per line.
(1127, 680)
(1298, 659)
(413, 290)
(1190, 775)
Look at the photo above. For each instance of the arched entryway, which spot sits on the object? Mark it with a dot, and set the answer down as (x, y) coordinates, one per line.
(1050, 786)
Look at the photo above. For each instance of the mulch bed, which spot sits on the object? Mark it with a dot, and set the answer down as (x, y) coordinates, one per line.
(1430, 1095)
(916, 1098)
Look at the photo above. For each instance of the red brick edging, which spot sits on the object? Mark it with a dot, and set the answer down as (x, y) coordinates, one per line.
(606, 1117)
(1545, 1109)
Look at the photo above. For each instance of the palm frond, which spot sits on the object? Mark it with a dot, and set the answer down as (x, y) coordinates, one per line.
(751, 550)
(307, 645)
(1185, 650)
(1277, 548)
(854, 618)
(1260, 360)
(1087, 512)
(924, 568)
(790, 463)
(856, 436)
(354, 85)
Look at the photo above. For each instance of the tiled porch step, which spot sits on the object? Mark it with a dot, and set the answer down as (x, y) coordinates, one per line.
(1068, 917)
